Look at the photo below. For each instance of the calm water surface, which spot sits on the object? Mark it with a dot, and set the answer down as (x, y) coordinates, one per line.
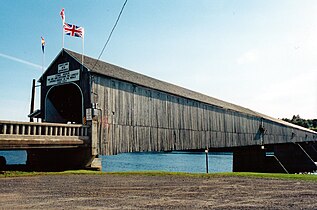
(14, 157)
(171, 161)
(151, 161)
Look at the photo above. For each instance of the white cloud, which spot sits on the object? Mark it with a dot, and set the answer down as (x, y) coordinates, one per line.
(21, 61)
(250, 56)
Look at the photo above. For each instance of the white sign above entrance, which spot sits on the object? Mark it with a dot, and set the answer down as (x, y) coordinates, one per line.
(63, 67)
(70, 76)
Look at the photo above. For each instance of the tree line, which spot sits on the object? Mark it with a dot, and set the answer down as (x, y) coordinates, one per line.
(297, 120)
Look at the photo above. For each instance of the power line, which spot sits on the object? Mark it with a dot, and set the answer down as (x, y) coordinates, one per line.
(114, 26)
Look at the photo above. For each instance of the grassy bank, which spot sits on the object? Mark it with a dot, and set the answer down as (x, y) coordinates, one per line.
(307, 177)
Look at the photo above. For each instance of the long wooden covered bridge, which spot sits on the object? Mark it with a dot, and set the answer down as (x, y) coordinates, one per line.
(130, 112)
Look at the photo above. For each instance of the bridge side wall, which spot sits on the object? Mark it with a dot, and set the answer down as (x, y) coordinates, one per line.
(277, 133)
(135, 118)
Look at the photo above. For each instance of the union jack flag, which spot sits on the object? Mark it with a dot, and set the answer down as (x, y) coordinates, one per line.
(73, 30)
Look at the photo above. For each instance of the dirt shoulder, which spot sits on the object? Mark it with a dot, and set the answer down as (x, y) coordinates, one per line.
(112, 191)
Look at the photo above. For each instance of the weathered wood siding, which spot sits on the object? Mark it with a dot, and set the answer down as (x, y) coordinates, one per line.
(135, 118)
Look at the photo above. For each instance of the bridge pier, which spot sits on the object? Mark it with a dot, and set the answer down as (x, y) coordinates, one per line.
(311, 149)
(294, 158)
(3, 163)
(255, 159)
(59, 159)
(51, 146)
(279, 158)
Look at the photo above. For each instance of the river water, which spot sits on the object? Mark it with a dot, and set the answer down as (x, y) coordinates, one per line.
(192, 162)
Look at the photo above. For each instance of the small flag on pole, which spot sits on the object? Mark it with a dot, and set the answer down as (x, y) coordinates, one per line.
(62, 13)
(43, 44)
(73, 30)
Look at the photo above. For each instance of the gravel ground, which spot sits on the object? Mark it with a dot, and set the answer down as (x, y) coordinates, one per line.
(155, 192)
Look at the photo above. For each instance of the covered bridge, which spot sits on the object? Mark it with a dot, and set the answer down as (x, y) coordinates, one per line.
(135, 113)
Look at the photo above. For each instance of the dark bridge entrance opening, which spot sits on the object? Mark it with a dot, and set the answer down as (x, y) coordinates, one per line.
(64, 103)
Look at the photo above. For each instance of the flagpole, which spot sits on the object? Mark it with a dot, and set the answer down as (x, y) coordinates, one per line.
(43, 60)
(62, 13)
(63, 34)
(83, 44)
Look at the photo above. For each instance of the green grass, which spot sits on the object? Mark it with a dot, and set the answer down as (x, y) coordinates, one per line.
(23, 173)
(309, 177)
(304, 177)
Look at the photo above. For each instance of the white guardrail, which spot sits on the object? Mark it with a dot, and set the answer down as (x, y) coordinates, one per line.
(42, 129)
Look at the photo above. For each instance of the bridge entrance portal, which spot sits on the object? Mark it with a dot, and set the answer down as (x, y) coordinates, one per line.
(64, 103)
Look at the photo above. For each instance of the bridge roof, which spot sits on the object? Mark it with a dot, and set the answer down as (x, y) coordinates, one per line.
(110, 70)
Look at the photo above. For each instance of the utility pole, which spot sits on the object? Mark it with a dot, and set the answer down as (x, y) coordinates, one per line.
(32, 100)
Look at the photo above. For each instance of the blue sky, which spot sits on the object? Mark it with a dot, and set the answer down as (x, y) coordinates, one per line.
(258, 54)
